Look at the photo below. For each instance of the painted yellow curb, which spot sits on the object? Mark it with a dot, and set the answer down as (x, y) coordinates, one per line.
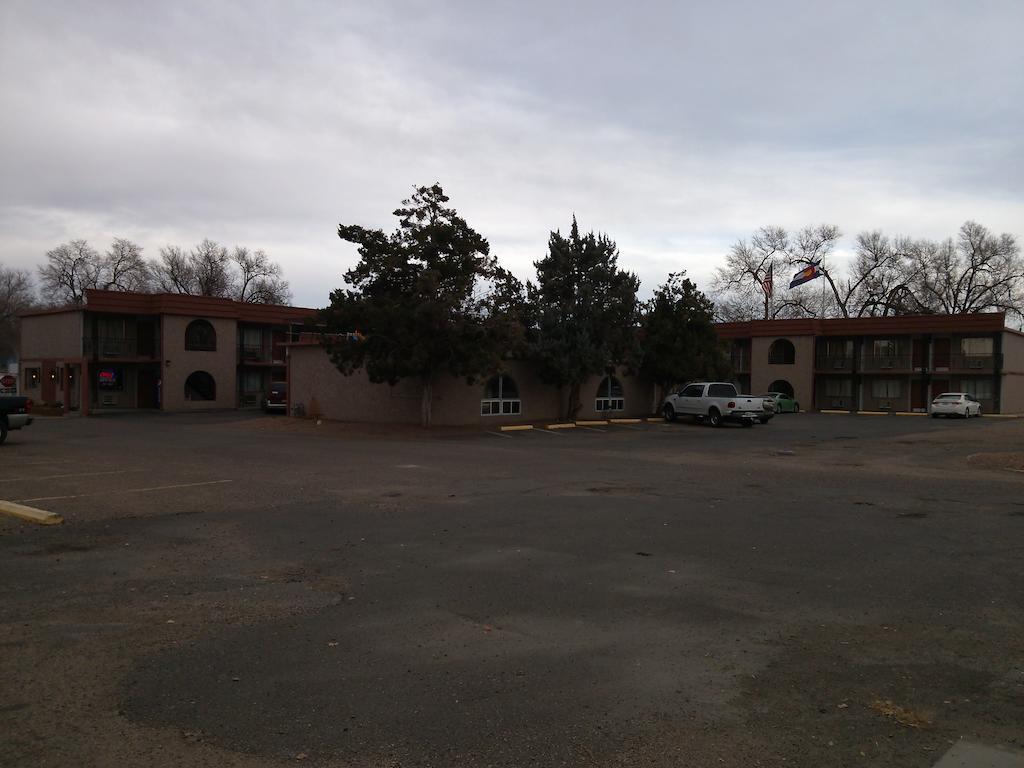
(839, 412)
(1001, 415)
(873, 413)
(908, 413)
(625, 421)
(594, 423)
(31, 514)
(560, 426)
(516, 427)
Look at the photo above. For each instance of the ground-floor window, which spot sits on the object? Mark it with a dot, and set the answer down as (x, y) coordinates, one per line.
(838, 387)
(884, 389)
(609, 395)
(31, 378)
(981, 389)
(781, 385)
(200, 386)
(501, 397)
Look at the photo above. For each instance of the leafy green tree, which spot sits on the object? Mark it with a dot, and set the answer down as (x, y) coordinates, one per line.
(425, 300)
(582, 311)
(679, 340)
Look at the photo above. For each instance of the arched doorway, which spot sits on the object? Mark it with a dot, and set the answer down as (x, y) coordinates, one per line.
(781, 385)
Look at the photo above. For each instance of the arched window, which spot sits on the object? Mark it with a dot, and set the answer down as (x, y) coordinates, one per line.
(200, 336)
(609, 395)
(501, 397)
(782, 352)
(781, 385)
(200, 386)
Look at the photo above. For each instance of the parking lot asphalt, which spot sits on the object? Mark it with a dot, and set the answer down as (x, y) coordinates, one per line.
(240, 590)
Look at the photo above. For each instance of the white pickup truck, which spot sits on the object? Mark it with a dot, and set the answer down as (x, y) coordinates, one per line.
(715, 402)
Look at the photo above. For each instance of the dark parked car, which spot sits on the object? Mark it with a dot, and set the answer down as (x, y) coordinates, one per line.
(15, 413)
(276, 398)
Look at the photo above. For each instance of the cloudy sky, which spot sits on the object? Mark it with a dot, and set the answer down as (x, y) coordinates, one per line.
(676, 127)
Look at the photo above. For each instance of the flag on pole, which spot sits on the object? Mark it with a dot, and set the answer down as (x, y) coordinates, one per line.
(805, 275)
(768, 285)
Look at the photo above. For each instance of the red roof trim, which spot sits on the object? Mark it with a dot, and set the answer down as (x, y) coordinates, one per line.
(978, 322)
(115, 302)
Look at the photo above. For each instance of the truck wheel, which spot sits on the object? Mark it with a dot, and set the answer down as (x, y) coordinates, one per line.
(748, 423)
(715, 417)
(669, 413)
(763, 420)
(3, 430)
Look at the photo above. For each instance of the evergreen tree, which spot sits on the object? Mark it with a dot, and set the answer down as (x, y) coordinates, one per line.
(425, 300)
(583, 311)
(679, 339)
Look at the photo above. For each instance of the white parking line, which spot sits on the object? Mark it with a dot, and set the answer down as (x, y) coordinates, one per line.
(129, 490)
(73, 474)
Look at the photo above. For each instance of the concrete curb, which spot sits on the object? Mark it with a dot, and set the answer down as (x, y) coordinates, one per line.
(625, 421)
(560, 426)
(30, 514)
(516, 427)
(592, 423)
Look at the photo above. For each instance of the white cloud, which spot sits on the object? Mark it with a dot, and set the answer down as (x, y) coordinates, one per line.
(266, 125)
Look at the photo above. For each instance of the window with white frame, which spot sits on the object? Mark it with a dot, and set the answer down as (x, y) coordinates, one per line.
(979, 388)
(609, 395)
(976, 346)
(501, 397)
(885, 389)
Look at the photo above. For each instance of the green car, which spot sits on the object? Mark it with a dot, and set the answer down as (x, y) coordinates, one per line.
(784, 403)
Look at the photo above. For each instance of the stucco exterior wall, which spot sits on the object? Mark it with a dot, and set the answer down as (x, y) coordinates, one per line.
(320, 389)
(56, 336)
(800, 374)
(221, 364)
(637, 393)
(1012, 395)
(317, 387)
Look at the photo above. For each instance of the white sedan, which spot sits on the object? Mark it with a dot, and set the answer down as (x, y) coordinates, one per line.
(955, 404)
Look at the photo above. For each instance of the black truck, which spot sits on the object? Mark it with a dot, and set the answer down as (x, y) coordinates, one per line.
(15, 413)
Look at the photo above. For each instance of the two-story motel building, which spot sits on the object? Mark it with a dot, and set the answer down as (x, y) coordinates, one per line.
(155, 351)
(893, 364)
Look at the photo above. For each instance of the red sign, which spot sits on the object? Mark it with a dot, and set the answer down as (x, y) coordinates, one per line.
(8, 381)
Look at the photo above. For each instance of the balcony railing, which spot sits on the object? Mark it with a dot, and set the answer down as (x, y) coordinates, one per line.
(113, 347)
(886, 362)
(826, 363)
(962, 362)
(253, 353)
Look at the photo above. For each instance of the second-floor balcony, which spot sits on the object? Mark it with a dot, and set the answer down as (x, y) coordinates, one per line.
(260, 353)
(826, 363)
(886, 363)
(961, 362)
(111, 347)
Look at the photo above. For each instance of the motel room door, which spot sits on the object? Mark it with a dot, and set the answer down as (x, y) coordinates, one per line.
(939, 386)
(146, 388)
(918, 396)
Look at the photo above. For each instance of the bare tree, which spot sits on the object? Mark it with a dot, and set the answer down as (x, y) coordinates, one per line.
(17, 295)
(75, 267)
(211, 267)
(746, 281)
(260, 279)
(173, 272)
(123, 268)
(977, 272)
(209, 270)
(70, 269)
